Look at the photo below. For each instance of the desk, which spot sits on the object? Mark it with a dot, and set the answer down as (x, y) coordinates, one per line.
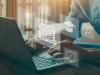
(83, 69)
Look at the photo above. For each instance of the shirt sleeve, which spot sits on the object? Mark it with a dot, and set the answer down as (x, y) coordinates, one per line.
(75, 12)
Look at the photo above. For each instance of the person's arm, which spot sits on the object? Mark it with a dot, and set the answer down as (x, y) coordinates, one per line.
(75, 12)
(74, 20)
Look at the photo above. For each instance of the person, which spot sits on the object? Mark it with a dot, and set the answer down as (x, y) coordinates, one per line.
(87, 10)
(81, 11)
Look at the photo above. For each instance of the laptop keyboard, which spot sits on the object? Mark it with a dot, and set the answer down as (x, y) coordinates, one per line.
(43, 63)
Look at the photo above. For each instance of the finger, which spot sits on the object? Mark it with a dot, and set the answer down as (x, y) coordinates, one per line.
(52, 51)
(52, 48)
(58, 54)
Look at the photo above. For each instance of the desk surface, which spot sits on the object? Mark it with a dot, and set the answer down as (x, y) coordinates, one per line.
(83, 69)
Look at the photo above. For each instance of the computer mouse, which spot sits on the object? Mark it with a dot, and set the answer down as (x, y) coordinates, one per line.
(58, 55)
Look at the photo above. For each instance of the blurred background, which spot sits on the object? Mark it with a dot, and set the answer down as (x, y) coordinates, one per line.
(30, 13)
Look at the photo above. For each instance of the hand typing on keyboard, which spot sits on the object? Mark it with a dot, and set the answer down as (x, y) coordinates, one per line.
(54, 50)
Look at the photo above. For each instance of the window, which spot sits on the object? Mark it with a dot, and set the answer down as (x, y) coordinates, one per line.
(24, 17)
(3, 8)
(30, 13)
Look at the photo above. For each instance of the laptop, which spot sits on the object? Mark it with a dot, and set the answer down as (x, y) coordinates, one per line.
(43, 60)
(11, 40)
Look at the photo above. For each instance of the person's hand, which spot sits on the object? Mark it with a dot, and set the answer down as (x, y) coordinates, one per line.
(69, 26)
(56, 50)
